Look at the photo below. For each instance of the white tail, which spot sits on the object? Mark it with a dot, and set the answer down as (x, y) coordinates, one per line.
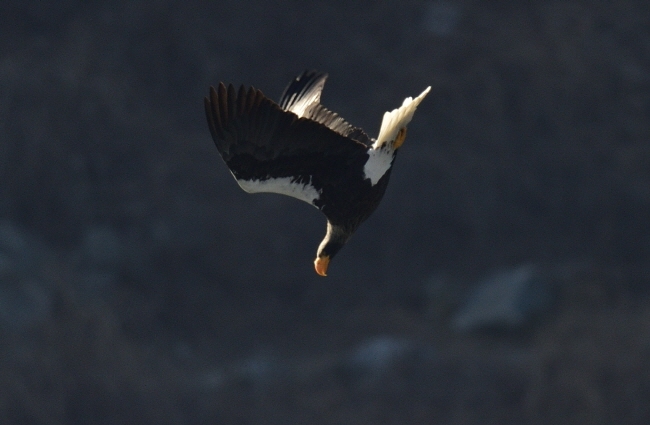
(397, 119)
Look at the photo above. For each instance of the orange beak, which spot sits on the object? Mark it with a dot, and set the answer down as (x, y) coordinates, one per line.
(320, 264)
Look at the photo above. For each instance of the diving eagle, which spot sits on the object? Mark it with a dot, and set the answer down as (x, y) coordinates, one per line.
(299, 148)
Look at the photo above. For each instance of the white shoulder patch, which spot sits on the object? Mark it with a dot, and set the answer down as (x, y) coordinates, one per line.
(379, 161)
(397, 119)
(283, 186)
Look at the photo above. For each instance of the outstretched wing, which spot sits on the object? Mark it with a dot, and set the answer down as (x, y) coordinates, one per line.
(269, 149)
(303, 92)
(302, 97)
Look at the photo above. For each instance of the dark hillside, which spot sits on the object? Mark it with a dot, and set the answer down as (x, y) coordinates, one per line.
(139, 284)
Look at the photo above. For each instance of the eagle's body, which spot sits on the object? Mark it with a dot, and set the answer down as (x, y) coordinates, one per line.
(298, 148)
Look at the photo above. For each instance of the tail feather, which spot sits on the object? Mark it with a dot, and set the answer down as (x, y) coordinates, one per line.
(397, 119)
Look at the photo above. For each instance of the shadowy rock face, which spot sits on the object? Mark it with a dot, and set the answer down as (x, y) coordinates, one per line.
(441, 18)
(375, 356)
(139, 284)
(25, 290)
(505, 300)
(101, 248)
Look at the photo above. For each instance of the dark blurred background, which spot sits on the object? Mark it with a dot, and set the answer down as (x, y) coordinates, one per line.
(504, 278)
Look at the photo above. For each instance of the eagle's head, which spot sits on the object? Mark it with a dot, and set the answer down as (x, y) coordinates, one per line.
(335, 238)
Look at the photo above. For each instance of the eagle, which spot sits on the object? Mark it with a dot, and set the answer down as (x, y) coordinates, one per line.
(299, 148)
